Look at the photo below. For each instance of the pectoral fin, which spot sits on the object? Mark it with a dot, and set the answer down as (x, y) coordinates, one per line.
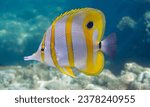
(68, 71)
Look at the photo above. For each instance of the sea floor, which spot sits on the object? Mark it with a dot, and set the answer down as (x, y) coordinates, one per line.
(41, 77)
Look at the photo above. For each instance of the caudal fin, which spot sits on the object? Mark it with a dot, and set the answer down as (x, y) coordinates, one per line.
(109, 45)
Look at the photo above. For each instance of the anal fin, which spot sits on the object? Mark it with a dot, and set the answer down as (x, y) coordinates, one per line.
(68, 71)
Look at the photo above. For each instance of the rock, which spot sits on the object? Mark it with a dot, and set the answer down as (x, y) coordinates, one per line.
(142, 82)
(103, 78)
(126, 22)
(128, 77)
(75, 86)
(139, 86)
(82, 80)
(55, 85)
(6, 78)
(117, 84)
(147, 21)
(19, 86)
(42, 77)
(42, 71)
(134, 68)
(109, 81)
(93, 87)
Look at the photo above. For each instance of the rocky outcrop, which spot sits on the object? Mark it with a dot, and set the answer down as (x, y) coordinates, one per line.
(42, 77)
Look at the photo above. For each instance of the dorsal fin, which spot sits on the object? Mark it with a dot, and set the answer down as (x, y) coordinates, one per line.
(70, 12)
(67, 13)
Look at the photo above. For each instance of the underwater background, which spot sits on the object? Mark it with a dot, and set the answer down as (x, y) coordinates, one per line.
(23, 23)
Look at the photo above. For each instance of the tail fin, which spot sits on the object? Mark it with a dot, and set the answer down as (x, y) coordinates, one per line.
(109, 45)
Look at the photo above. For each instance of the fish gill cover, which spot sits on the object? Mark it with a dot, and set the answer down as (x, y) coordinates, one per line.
(23, 23)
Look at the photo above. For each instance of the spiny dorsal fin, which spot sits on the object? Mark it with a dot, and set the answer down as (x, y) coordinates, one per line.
(67, 13)
(70, 12)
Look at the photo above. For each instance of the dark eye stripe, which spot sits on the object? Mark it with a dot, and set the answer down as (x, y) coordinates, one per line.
(90, 24)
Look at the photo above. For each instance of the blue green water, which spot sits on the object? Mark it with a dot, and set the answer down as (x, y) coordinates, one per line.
(23, 23)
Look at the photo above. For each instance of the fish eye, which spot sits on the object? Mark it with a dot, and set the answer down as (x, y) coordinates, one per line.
(90, 24)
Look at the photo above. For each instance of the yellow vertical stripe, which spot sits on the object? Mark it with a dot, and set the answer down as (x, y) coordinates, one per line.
(53, 51)
(94, 63)
(94, 67)
(69, 40)
(88, 33)
(99, 62)
(42, 47)
(89, 44)
(52, 45)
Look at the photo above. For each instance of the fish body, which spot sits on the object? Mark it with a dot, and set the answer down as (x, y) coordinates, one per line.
(74, 39)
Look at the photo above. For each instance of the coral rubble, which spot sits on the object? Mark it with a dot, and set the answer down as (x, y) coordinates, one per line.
(126, 21)
(42, 77)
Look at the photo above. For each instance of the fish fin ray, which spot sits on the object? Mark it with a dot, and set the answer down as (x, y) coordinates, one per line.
(109, 45)
(67, 70)
(70, 71)
(70, 12)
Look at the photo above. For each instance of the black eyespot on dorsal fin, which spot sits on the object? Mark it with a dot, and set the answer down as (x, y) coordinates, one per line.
(42, 49)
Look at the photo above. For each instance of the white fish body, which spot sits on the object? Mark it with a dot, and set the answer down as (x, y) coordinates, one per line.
(73, 41)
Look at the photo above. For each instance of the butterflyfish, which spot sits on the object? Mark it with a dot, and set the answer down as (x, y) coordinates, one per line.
(74, 39)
